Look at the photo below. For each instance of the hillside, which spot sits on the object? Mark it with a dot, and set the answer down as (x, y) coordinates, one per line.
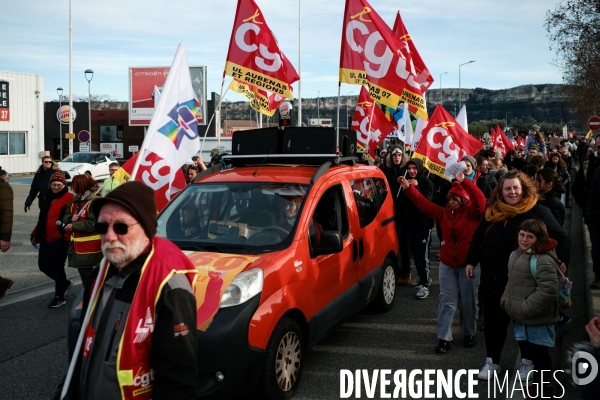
(540, 102)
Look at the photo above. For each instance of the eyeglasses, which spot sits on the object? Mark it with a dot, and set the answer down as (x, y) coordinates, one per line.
(450, 197)
(120, 228)
(47, 162)
(113, 170)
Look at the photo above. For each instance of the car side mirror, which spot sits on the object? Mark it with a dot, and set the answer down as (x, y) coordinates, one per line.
(331, 243)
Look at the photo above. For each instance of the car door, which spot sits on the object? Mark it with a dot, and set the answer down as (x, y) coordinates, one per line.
(100, 166)
(332, 276)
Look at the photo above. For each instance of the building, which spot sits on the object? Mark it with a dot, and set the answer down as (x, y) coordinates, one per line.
(21, 121)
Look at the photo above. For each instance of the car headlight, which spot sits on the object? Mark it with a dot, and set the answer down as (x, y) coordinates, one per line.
(243, 287)
(76, 168)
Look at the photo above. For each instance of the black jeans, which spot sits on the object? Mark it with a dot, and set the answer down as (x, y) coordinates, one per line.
(51, 261)
(416, 243)
(496, 323)
(539, 356)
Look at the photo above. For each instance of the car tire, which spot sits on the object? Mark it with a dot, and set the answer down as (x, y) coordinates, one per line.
(387, 288)
(283, 363)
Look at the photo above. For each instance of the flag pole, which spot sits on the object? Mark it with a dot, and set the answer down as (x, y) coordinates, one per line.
(86, 319)
(337, 144)
(213, 116)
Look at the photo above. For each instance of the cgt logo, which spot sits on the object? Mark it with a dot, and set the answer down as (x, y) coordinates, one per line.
(251, 24)
(438, 137)
(584, 368)
(143, 379)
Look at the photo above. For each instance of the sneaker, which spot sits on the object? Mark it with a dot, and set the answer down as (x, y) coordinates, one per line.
(487, 372)
(442, 347)
(5, 284)
(595, 284)
(564, 320)
(404, 280)
(525, 368)
(57, 302)
(417, 282)
(422, 293)
(469, 341)
(69, 286)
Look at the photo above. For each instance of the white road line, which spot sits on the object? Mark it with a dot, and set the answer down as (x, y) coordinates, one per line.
(12, 299)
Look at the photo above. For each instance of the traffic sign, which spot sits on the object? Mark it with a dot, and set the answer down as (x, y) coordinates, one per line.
(84, 136)
(594, 123)
(69, 136)
(84, 147)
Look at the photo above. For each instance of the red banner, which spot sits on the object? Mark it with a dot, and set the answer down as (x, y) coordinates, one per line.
(501, 142)
(254, 56)
(372, 55)
(156, 173)
(444, 139)
(370, 123)
(420, 75)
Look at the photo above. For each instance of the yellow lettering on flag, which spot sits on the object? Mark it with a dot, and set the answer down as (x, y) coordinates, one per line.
(259, 80)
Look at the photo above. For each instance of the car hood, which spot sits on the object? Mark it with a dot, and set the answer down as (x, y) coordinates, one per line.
(65, 166)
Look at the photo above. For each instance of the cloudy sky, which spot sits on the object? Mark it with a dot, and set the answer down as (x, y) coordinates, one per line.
(506, 38)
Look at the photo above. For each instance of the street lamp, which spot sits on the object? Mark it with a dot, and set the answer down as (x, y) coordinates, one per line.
(347, 120)
(318, 106)
(459, 94)
(91, 73)
(442, 90)
(60, 92)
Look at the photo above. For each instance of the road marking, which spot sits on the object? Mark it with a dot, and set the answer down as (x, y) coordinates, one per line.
(41, 291)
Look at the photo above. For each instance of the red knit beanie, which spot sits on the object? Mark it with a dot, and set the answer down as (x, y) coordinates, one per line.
(457, 190)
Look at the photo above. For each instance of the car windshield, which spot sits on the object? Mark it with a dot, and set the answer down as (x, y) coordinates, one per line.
(79, 157)
(233, 217)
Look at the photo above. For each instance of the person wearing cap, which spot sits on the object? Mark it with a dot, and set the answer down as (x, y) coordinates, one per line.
(53, 239)
(141, 337)
(41, 182)
(416, 226)
(473, 174)
(532, 151)
(458, 221)
(536, 138)
(392, 167)
(6, 223)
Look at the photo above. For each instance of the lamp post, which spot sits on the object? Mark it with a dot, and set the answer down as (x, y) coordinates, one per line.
(91, 73)
(60, 139)
(459, 93)
(318, 106)
(442, 90)
(347, 119)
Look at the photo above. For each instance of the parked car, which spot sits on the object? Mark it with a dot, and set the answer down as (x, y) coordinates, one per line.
(93, 163)
(314, 244)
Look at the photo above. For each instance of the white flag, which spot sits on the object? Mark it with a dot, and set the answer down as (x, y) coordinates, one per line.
(421, 124)
(173, 130)
(461, 118)
(408, 131)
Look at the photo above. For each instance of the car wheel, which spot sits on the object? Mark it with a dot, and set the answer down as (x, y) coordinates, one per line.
(283, 361)
(387, 288)
(88, 173)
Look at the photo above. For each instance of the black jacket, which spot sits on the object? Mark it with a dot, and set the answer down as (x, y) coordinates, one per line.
(408, 213)
(583, 181)
(39, 185)
(492, 244)
(552, 202)
(593, 202)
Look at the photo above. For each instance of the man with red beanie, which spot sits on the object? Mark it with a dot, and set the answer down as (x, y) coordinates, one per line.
(458, 220)
(145, 295)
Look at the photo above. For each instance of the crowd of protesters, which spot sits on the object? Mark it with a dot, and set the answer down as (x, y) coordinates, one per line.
(496, 216)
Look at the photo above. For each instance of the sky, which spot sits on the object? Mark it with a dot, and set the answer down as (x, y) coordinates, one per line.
(506, 38)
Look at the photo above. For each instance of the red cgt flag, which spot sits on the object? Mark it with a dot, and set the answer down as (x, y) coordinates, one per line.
(370, 134)
(372, 55)
(420, 79)
(254, 56)
(501, 142)
(156, 173)
(260, 100)
(444, 139)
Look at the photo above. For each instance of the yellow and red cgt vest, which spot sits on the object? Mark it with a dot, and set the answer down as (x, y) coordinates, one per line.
(134, 368)
(85, 243)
